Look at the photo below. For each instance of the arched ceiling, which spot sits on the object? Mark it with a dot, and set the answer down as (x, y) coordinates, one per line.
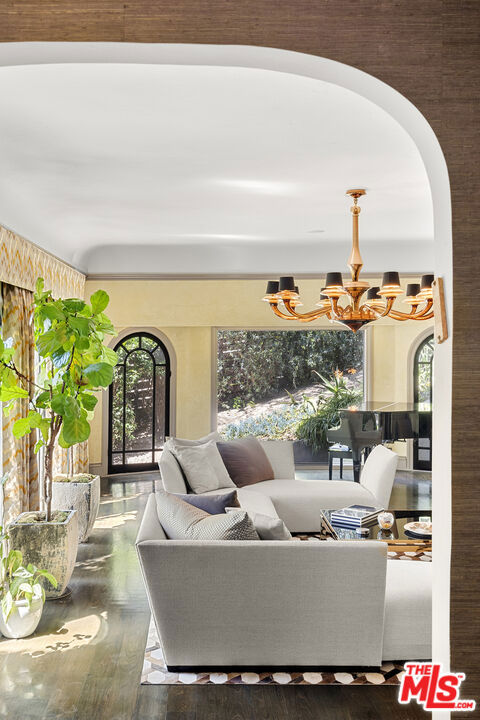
(170, 169)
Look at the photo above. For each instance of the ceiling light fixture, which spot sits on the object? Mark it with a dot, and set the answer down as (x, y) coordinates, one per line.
(379, 300)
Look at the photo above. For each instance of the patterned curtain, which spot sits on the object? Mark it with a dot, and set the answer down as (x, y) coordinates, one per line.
(71, 461)
(19, 460)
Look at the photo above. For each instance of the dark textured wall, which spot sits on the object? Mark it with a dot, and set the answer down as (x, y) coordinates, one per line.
(427, 50)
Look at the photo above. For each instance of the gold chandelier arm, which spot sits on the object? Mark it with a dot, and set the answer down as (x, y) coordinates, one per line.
(424, 314)
(305, 317)
(279, 313)
(384, 313)
(337, 312)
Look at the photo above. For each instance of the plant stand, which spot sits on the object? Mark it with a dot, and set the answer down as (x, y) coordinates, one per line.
(51, 546)
(84, 497)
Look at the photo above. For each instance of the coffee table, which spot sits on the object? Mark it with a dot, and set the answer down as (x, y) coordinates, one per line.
(396, 537)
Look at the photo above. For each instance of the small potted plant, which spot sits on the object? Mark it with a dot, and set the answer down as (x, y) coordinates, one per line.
(74, 364)
(22, 594)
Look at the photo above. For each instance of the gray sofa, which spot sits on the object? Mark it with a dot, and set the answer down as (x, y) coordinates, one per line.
(298, 502)
(284, 604)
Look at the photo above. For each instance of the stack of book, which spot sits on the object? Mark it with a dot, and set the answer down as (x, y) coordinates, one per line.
(355, 516)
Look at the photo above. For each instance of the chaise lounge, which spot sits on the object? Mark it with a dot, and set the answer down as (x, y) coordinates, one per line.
(299, 502)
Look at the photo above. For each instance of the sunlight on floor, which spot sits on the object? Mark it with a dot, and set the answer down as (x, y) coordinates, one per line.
(108, 522)
(111, 501)
(71, 635)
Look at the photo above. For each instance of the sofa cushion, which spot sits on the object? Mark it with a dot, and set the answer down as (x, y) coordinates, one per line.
(250, 500)
(182, 442)
(280, 454)
(298, 502)
(268, 528)
(246, 461)
(408, 611)
(182, 521)
(212, 503)
(202, 465)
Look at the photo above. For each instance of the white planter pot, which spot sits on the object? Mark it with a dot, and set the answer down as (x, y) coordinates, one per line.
(49, 546)
(82, 497)
(23, 619)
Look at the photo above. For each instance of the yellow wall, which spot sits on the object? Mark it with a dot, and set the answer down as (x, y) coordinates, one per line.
(186, 313)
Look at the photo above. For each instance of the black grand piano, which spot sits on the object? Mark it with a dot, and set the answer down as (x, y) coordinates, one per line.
(373, 423)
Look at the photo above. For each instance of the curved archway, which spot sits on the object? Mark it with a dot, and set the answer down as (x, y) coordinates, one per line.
(410, 118)
(139, 403)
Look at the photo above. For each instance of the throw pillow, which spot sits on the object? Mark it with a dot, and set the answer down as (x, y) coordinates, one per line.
(245, 461)
(182, 521)
(203, 466)
(212, 504)
(268, 528)
(188, 443)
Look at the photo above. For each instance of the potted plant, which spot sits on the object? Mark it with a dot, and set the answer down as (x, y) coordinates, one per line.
(80, 491)
(73, 365)
(22, 595)
(325, 414)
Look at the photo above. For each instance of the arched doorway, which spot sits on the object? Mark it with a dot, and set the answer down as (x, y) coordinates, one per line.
(423, 397)
(139, 407)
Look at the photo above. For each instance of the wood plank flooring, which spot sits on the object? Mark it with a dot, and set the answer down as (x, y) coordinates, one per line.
(85, 660)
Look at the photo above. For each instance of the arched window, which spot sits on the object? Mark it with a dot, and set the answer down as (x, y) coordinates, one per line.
(139, 408)
(423, 396)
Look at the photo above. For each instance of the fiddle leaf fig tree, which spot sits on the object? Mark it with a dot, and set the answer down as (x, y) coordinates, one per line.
(73, 364)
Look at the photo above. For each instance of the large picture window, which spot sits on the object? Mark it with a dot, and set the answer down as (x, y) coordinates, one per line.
(139, 403)
(268, 380)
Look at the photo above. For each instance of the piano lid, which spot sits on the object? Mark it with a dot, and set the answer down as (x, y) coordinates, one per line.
(387, 407)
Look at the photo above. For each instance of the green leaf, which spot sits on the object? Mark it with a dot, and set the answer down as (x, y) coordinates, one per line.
(48, 342)
(38, 445)
(7, 605)
(34, 419)
(74, 305)
(109, 355)
(39, 285)
(61, 333)
(82, 344)
(21, 427)
(52, 312)
(58, 404)
(75, 430)
(99, 374)
(80, 324)
(49, 577)
(88, 401)
(45, 428)
(99, 301)
(12, 393)
(42, 399)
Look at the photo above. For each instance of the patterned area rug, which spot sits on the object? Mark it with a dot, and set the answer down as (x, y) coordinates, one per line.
(155, 671)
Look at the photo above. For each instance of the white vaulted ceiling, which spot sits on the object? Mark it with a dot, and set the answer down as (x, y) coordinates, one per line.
(123, 168)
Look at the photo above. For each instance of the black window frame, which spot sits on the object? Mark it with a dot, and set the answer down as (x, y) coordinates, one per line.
(124, 467)
(417, 463)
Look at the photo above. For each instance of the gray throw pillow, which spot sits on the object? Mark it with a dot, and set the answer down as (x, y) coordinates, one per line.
(246, 461)
(202, 465)
(182, 521)
(212, 504)
(268, 528)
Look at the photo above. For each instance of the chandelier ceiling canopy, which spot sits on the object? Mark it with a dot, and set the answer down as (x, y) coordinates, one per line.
(284, 297)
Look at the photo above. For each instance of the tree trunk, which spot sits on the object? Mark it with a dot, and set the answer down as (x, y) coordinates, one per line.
(48, 480)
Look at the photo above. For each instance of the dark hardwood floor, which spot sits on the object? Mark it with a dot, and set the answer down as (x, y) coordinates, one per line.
(84, 662)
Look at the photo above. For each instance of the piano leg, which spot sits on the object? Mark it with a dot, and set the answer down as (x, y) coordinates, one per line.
(357, 464)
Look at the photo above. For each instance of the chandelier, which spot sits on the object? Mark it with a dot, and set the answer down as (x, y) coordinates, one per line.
(284, 297)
